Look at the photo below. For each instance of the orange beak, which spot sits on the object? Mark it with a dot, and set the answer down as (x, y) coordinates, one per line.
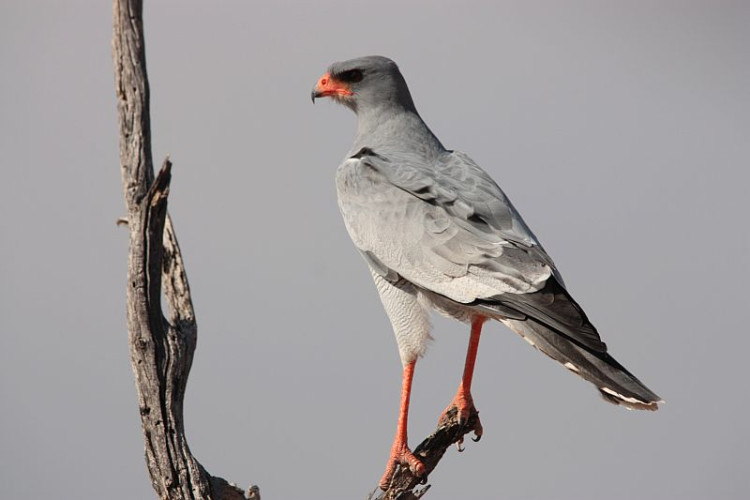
(328, 86)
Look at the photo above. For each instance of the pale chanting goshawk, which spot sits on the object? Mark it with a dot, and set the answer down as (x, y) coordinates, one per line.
(438, 233)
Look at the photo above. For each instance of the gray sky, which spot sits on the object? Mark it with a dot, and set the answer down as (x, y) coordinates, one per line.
(620, 130)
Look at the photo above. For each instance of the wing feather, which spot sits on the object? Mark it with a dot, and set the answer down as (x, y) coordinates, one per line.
(449, 229)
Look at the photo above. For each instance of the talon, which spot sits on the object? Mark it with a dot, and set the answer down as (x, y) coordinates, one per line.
(478, 430)
(462, 409)
(423, 480)
(458, 445)
(401, 456)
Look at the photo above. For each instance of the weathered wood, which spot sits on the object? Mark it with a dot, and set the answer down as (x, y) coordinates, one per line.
(405, 485)
(161, 350)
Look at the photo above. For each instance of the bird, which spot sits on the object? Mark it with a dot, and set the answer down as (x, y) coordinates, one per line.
(438, 234)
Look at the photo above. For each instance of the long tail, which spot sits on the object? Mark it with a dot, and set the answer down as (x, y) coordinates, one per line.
(616, 384)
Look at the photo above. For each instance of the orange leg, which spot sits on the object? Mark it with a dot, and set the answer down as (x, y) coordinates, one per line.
(463, 401)
(400, 452)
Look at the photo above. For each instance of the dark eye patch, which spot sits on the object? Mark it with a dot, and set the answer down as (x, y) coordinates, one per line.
(351, 76)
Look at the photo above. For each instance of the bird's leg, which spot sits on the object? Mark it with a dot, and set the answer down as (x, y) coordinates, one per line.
(462, 401)
(400, 452)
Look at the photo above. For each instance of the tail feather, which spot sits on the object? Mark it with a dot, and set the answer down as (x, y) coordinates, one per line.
(616, 384)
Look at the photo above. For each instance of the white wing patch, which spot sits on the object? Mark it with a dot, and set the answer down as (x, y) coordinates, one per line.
(624, 398)
(570, 366)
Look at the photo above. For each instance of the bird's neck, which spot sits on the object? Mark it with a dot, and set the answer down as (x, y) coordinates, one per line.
(384, 128)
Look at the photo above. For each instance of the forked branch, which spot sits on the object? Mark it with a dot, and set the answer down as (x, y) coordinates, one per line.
(161, 350)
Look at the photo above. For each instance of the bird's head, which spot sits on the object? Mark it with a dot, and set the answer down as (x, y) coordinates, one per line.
(365, 83)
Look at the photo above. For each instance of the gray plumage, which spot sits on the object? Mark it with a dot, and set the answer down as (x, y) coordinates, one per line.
(437, 232)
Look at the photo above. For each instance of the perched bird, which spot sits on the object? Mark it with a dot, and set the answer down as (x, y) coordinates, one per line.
(438, 233)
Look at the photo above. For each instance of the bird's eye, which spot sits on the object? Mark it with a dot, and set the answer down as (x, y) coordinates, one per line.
(351, 76)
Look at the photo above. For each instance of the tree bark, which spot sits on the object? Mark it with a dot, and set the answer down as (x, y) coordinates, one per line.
(161, 349)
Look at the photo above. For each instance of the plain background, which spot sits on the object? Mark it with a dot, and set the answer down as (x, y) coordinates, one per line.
(621, 131)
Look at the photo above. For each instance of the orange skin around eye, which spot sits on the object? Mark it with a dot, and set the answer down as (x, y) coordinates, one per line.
(328, 86)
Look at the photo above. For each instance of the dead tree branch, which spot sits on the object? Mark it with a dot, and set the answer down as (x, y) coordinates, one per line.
(407, 486)
(161, 350)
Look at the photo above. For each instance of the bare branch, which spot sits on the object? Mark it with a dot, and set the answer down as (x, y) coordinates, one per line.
(407, 486)
(161, 351)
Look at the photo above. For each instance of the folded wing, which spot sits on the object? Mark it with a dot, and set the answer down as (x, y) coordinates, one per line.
(450, 230)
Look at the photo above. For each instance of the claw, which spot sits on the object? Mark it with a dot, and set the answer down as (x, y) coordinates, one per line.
(478, 430)
(459, 446)
(401, 456)
(423, 480)
(462, 410)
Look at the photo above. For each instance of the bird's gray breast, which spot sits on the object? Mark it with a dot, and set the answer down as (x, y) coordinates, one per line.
(379, 220)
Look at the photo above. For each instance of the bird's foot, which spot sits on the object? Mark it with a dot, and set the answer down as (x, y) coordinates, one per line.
(401, 455)
(460, 410)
